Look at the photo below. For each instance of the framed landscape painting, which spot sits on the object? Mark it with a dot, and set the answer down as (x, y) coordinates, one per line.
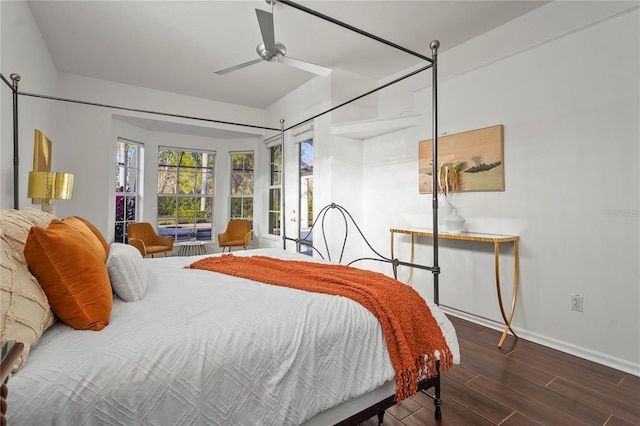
(467, 161)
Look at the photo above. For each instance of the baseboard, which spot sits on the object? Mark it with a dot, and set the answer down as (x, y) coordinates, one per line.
(588, 354)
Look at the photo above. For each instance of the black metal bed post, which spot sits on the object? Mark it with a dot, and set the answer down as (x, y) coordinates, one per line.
(15, 78)
(435, 44)
(437, 397)
(283, 226)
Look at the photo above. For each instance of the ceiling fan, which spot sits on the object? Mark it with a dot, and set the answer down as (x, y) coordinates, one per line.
(271, 51)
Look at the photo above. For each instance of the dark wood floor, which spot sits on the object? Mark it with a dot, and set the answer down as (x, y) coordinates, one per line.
(522, 384)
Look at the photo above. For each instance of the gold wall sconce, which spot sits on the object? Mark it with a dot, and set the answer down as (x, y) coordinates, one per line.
(45, 185)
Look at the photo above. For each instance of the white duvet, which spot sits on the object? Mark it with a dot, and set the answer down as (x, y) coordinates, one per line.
(203, 348)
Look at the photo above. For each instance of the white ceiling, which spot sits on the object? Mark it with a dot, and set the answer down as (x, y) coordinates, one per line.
(176, 46)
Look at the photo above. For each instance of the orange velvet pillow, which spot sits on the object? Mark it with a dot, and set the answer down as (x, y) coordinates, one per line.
(73, 276)
(97, 233)
(89, 235)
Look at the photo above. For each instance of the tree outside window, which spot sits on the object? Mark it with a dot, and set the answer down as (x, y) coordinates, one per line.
(242, 179)
(185, 193)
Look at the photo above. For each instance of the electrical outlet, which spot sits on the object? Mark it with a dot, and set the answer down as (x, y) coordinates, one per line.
(576, 303)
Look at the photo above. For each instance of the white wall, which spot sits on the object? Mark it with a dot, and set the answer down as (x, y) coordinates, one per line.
(567, 92)
(24, 52)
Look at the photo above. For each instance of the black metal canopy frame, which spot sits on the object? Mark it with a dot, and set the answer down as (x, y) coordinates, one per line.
(435, 269)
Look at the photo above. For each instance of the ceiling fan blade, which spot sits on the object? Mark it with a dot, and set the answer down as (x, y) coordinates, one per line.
(306, 66)
(239, 66)
(265, 20)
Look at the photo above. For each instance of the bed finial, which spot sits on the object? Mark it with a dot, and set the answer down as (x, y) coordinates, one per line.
(434, 45)
(15, 78)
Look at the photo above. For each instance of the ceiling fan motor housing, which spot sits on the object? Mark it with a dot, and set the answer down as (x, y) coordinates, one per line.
(271, 56)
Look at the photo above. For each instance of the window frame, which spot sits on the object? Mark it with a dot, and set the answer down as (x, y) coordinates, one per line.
(305, 212)
(129, 197)
(201, 173)
(243, 197)
(274, 191)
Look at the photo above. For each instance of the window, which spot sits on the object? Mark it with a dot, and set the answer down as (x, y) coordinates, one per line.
(128, 156)
(305, 220)
(242, 186)
(185, 193)
(275, 188)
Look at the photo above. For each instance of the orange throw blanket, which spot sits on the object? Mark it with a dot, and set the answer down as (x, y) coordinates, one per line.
(411, 332)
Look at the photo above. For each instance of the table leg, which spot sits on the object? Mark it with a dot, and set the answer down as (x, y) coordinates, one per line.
(395, 268)
(411, 259)
(507, 319)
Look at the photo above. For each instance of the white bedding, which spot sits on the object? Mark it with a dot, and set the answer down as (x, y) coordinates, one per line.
(203, 348)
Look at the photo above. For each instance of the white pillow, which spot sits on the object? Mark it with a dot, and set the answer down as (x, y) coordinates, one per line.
(126, 272)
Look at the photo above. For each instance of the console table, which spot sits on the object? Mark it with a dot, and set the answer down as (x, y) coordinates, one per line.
(496, 239)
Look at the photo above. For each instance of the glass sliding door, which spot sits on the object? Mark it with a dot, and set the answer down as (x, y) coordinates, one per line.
(305, 207)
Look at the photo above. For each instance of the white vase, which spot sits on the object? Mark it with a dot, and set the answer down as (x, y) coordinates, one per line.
(455, 223)
(444, 209)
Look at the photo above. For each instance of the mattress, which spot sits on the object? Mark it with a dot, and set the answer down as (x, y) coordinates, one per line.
(206, 348)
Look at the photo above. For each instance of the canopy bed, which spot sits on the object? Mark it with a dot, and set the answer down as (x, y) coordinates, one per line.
(174, 327)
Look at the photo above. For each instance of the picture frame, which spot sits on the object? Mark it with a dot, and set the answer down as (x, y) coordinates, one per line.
(470, 161)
